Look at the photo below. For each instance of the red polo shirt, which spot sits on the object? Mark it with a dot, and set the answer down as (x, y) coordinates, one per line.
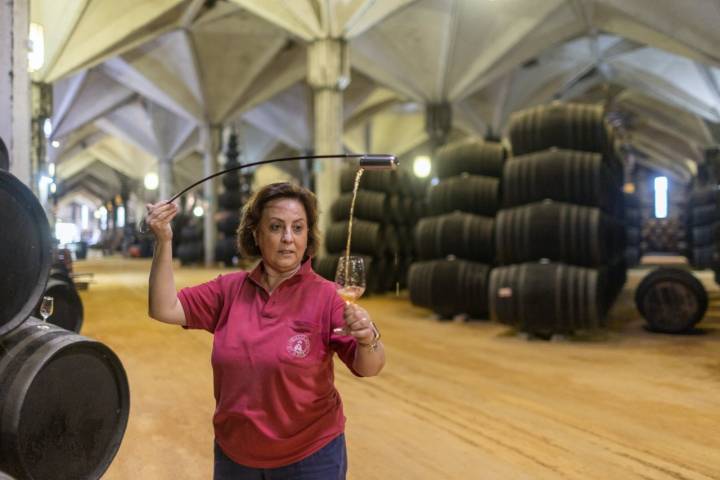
(272, 363)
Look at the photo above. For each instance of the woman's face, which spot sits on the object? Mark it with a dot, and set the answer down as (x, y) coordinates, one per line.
(282, 234)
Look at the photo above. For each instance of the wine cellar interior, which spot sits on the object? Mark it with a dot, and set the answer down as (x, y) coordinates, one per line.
(543, 259)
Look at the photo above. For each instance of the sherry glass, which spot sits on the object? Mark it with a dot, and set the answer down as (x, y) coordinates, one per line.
(46, 308)
(350, 278)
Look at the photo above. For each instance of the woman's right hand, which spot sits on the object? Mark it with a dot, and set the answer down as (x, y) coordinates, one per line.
(158, 219)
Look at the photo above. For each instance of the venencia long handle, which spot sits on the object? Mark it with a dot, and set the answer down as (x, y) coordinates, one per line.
(368, 161)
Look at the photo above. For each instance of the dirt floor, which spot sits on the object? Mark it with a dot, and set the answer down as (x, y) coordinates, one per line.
(457, 400)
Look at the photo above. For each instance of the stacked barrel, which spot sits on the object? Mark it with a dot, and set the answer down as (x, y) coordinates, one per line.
(703, 227)
(230, 200)
(64, 398)
(190, 247)
(455, 243)
(386, 209)
(560, 236)
(664, 235)
(633, 226)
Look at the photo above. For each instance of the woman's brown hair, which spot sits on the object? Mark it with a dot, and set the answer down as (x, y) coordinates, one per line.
(252, 213)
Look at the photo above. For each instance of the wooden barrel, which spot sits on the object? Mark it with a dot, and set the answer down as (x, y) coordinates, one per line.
(228, 221)
(226, 251)
(631, 200)
(672, 300)
(704, 257)
(190, 252)
(547, 298)
(471, 156)
(465, 193)
(662, 235)
(231, 180)
(64, 403)
(703, 196)
(559, 232)
(368, 238)
(67, 306)
(632, 256)
(401, 211)
(450, 287)
(571, 126)
(463, 235)
(369, 205)
(4, 156)
(230, 200)
(632, 236)
(563, 175)
(703, 235)
(25, 252)
(633, 217)
(703, 215)
(615, 275)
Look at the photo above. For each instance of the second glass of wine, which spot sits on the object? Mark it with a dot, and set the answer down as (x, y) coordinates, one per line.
(46, 308)
(350, 278)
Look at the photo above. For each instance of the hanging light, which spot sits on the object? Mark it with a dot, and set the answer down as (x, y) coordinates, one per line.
(55, 144)
(47, 127)
(661, 197)
(151, 181)
(198, 211)
(422, 166)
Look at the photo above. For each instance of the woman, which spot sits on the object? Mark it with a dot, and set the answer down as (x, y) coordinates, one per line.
(275, 330)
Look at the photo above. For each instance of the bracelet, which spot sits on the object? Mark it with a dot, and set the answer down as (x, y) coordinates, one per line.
(373, 345)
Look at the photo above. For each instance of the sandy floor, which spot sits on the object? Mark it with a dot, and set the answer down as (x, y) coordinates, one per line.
(457, 400)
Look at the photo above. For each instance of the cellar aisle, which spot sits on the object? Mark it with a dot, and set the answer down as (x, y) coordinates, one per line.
(456, 400)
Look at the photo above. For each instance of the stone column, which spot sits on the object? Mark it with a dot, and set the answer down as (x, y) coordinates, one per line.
(15, 86)
(211, 142)
(328, 76)
(165, 174)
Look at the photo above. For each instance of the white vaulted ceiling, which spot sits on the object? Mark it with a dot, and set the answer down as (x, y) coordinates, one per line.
(147, 73)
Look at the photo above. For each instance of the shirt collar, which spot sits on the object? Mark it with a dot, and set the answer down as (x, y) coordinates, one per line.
(257, 272)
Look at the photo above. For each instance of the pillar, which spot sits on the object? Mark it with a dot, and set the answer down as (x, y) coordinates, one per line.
(328, 76)
(211, 146)
(15, 86)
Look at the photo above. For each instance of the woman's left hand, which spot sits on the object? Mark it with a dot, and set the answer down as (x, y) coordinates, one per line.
(358, 324)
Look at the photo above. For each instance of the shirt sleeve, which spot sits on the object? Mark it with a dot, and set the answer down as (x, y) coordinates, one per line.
(202, 304)
(344, 345)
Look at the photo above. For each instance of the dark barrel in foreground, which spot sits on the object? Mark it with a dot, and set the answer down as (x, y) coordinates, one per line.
(64, 403)
(672, 300)
(25, 252)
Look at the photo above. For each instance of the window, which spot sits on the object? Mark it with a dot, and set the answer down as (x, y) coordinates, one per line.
(661, 197)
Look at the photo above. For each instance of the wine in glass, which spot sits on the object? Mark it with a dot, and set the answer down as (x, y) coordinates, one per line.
(46, 308)
(350, 278)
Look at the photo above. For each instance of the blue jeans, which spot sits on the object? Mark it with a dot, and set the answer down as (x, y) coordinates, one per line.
(328, 463)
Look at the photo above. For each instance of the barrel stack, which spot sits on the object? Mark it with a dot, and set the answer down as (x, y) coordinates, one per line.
(455, 243)
(703, 227)
(64, 398)
(234, 195)
(560, 235)
(633, 228)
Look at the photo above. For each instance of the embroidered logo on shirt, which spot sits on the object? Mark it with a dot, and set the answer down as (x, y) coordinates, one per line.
(298, 346)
